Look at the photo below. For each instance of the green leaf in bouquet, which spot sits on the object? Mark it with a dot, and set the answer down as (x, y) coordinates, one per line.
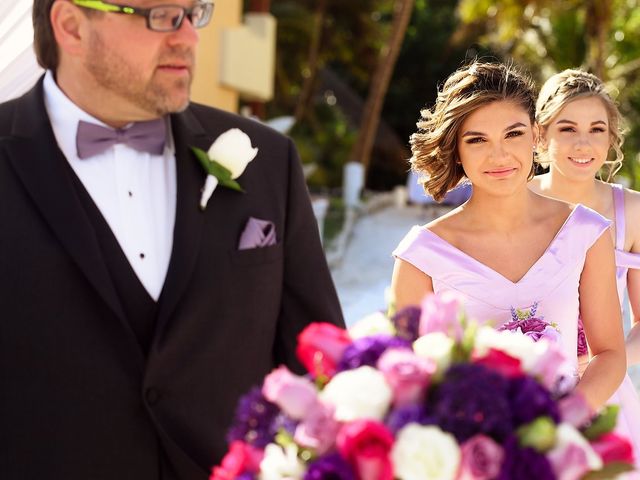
(604, 422)
(539, 434)
(609, 471)
(284, 438)
(468, 337)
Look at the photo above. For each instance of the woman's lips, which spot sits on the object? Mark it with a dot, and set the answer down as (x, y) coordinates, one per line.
(501, 172)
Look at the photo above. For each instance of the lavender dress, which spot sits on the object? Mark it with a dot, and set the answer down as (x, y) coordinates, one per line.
(551, 283)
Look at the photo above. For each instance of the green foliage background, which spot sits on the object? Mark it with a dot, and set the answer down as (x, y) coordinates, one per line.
(544, 36)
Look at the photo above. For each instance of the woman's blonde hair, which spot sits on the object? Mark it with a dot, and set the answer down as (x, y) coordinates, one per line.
(434, 146)
(573, 84)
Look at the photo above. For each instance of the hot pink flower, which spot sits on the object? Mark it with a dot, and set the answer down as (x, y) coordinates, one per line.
(319, 428)
(293, 394)
(440, 313)
(613, 448)
(320, 348)
(407, 374)
(240, 458)
(366, 445)
(481, 459)
(501, 362)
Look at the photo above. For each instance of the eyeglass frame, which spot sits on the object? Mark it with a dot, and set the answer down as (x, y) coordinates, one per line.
(101, 6)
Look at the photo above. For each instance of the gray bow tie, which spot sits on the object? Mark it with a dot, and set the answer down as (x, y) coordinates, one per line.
(148, 137)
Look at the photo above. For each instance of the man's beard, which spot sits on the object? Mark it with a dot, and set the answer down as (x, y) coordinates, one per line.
(113, 73)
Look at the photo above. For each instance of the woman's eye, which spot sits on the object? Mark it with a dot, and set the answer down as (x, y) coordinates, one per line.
(567, 129)
(515, 133)
(475, 140)
(598, 130)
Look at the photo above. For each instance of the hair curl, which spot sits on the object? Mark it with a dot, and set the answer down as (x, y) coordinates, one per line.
(434, 146)
(573, 84)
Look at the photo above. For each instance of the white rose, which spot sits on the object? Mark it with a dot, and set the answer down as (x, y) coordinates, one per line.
(373, 324)
(515, 344)
(359, 393)
(436, 346)
(425, 453)
(281, 463)
(233, 151)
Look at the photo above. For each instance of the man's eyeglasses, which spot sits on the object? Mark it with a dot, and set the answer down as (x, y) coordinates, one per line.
(162, 18)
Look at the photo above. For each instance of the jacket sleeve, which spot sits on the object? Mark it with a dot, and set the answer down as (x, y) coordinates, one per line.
(308, 293)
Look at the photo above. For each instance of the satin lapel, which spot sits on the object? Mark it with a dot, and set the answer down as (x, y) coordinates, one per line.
(42, 168)
(187, 236)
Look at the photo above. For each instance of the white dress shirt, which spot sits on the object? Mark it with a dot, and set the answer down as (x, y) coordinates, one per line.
(135, 191)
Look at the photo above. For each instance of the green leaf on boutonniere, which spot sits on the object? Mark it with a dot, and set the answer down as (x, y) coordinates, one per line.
(214, 168)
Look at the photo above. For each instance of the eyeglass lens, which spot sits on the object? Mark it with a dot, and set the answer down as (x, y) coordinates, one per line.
(169, 17)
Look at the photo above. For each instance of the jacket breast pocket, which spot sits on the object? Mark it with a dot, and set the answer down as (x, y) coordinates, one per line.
(258, 255)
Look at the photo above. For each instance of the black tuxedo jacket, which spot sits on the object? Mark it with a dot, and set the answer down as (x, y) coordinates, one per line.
(79, 398)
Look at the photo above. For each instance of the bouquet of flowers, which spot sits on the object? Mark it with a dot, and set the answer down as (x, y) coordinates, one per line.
(426, 394)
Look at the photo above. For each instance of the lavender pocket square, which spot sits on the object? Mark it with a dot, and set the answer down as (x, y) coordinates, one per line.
(257, 233)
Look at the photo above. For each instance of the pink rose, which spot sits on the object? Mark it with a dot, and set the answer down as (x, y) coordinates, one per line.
(407, 374)
(319, 428)
(613, 448)
(551, 365)
(501, 362)
(241, 458)
(293, 394)
(569, 463)
(366, 445)
(575, 410)
(481, 459)
(441, 313)
(320, 348)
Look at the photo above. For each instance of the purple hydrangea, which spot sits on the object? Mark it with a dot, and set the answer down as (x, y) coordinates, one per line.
(524, 463)
(399, 417)
(254, 420)
(246, 476)
(367, 351)
(407, 323)
(472, 399)
(582, 339)
(329, 467)
(530, 400)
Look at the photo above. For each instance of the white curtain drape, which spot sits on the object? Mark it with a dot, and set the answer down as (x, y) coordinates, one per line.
(19, 69)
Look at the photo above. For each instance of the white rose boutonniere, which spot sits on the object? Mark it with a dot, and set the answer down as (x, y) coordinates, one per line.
(225, 161)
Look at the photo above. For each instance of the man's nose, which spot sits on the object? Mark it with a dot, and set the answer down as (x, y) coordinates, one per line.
(185, 35)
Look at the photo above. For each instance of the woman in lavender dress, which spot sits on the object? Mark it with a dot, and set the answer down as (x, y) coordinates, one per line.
(579, 127)
(508, 247)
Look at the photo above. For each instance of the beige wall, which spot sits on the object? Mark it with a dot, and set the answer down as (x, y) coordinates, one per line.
(206, 84)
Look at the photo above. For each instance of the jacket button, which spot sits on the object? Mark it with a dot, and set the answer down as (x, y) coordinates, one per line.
(153, 396)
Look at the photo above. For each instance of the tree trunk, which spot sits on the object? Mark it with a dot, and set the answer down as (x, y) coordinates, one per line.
(313, 61)
(261, 6)
(598, 21)
(361, 151)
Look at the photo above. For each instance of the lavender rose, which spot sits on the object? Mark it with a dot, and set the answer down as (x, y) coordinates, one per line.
(481, 459)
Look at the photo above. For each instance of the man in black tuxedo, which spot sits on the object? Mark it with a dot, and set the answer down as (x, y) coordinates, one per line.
(130, 321)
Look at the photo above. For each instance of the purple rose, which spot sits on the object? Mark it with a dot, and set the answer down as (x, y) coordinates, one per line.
(407, 323)
(367, 350)
(524, 463)
(441, 313)
(319, 428)
(583, 349)
(407, 374)
(481, 459)
(293, 394)
(331, 467)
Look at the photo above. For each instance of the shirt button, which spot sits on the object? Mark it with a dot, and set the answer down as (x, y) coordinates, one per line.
(153, 396)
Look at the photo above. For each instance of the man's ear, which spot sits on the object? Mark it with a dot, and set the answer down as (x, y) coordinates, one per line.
(67, 21)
